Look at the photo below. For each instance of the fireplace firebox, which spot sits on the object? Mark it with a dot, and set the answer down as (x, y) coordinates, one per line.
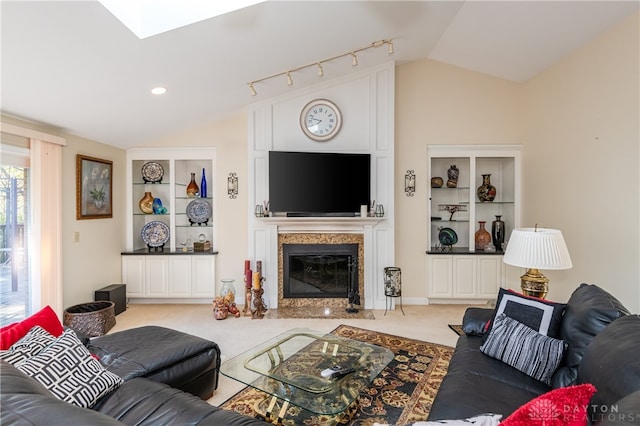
(319, 270)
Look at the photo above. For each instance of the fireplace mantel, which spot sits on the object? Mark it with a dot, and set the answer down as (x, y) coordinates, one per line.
(320, 224)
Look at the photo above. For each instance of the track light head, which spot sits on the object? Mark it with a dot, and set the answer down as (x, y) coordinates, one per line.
(320, 70)
(289, 79)
(252, 89)
(390, 51)
(354, 61)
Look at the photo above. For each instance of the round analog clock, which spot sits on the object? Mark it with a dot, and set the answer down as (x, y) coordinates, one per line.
(320, 119)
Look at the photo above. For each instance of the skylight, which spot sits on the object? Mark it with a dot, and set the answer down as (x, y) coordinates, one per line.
(146, 18)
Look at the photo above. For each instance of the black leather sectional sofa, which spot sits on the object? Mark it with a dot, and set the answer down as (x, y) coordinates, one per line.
(166, 374)
(603, 349)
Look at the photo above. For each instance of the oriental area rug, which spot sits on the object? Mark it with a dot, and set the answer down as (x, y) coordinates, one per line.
(401, 394)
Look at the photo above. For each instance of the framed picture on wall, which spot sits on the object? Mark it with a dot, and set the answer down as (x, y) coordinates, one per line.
(94, 188)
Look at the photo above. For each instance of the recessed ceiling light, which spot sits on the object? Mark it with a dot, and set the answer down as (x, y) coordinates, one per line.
(159, 90)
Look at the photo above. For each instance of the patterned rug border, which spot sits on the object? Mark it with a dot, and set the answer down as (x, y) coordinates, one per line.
(417, 407)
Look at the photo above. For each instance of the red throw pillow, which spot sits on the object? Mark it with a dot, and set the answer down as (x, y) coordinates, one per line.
(45, 318)
(559, 407)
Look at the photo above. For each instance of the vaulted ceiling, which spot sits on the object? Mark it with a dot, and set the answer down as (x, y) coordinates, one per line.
(74, 66)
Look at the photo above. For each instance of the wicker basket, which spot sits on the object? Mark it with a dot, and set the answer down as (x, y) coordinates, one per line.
(92, 319)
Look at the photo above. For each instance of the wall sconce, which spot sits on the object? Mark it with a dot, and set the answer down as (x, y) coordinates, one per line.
(409, 183)
(232, 185)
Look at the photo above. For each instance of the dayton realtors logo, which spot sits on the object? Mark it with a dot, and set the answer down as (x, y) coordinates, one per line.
(543, 411)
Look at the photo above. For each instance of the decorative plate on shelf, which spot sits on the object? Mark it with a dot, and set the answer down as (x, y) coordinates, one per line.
(199, 211)
(447, 236)
(152, 172)
(155, 234)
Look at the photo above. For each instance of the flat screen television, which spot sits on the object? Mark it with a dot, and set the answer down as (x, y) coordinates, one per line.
(318, 184)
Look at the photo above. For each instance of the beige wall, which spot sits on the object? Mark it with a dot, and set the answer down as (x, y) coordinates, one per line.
(582, 160)
(94, 261)
(441, 104)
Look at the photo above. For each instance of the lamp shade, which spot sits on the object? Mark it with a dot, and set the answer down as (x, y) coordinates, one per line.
(537, 248)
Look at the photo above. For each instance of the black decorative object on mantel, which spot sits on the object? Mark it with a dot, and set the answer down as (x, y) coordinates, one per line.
(497, 232)
(354, 292)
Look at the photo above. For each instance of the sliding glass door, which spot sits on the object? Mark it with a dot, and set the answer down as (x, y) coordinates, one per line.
(14, 254)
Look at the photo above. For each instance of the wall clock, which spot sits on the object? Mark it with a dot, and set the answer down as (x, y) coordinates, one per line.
(320, 120)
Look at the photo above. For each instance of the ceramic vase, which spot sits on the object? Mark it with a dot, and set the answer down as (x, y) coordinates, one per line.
(203, 185)
(486, 192)
(452, 176)
(192, 188)
(146, 203)
(436, 182)
(482, 237)
(497, 232)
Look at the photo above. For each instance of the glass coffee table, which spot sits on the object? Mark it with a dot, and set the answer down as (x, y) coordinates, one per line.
(288, 369)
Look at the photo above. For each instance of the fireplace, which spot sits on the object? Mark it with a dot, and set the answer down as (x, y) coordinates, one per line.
(319, 270)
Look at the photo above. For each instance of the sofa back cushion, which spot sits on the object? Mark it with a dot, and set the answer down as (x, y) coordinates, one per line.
(589, 310)
(612, 364)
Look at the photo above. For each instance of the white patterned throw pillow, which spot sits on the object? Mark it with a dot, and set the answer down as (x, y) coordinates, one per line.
(523, 348)
(69, 372)
(31, 344)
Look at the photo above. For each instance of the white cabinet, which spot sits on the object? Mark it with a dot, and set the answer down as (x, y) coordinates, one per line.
(456, 268)
(464, 276)
(179, 276)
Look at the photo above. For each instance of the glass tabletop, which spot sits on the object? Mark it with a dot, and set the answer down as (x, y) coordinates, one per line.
(289, 367)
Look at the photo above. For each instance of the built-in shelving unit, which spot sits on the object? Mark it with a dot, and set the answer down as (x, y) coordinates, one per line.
(459, 271)
(176, 271)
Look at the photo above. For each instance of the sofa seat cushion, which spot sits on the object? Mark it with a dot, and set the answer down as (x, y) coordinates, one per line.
(467, 358)
(476, 383)
(140, 401)
(163, 354)
(612, 364)
(24, 401)
(589, 310)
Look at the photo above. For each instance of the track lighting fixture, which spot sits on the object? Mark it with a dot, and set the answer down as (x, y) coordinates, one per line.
(352, 53)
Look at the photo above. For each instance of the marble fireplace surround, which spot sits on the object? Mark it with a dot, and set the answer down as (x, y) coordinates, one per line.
(320, 238)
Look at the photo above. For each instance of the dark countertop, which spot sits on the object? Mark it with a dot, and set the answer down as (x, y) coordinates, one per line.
(165, 252)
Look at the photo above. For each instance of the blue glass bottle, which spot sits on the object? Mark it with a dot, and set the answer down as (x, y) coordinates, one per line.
(203, 185)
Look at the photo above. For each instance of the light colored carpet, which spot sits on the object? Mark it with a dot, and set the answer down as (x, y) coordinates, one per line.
(236, 335)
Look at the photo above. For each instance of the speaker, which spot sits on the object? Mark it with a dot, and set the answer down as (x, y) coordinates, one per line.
(116, 293)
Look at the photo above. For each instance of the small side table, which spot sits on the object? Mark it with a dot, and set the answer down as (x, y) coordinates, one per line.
(392, 287)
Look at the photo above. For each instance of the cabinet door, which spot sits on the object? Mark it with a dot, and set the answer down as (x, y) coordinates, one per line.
(133, 275)
(464, 276)
(203, 276)
(489, 276)
(157, 276)
(180, 276)
(440, 276)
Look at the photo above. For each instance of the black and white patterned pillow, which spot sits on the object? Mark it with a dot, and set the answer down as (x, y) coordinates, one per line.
(68, 371)
(542, 315)
(523, 348)
(31, 344)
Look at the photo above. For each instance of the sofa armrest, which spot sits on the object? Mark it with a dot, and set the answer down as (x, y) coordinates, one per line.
(475, 320)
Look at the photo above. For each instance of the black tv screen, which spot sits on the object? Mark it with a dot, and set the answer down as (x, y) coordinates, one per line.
(310, 183)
